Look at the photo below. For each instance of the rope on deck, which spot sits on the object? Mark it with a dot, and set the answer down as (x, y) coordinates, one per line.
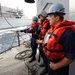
(32, 69)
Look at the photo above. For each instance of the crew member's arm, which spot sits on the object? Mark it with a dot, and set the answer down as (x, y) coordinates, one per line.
(27, 31)
(64, 62)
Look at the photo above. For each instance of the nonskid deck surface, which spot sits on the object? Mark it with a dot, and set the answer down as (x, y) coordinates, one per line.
(11, 66)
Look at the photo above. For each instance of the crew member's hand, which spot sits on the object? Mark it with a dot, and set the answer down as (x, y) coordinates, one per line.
(17, 30)
(53, 66)
(39, 41)
(21, 30)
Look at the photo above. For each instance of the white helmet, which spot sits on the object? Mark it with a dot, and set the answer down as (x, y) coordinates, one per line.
(57, 8)
(43, 13)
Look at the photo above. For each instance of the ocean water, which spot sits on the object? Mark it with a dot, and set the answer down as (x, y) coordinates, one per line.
(8, 35)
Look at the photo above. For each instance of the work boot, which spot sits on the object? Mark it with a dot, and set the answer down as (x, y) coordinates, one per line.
(43, 72)
(32, 59)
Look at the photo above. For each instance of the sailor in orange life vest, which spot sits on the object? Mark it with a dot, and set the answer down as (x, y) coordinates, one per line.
(33, 29)
(44, 24)
(59, 41)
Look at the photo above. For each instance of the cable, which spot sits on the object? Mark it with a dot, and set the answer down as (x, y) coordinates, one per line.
(14, 36)
(11, 26)
(9, 48)
(8, 21)
(13, 40)
(33, 69)
(16, 31)
(21, 37)
(24, 56)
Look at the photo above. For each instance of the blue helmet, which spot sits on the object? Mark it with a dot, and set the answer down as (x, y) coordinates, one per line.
(35, 18)
(57, 8)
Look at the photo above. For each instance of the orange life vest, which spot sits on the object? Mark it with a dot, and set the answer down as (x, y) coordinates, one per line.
(51, 47)
(33, 26)
(44, 28)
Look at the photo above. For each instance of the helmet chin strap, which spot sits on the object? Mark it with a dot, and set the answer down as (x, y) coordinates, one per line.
(29, 1)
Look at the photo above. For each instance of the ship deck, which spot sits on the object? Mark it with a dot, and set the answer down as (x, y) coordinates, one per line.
(10, 66)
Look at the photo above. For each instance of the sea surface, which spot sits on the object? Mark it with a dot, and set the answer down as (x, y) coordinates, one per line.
(8, 32)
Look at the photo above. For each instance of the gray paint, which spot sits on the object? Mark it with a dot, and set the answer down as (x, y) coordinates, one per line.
(41, 4)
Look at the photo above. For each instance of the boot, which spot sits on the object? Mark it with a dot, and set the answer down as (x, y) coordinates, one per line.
(32, 59)
(43, 72)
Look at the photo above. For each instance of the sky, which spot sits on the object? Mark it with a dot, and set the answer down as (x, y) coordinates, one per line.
(29, 9)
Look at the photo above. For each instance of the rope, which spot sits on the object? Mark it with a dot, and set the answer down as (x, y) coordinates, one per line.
(33, 69)
(23, 55)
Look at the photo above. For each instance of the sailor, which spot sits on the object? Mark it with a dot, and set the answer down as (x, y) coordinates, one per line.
(34, 30)
(58, 44)
(44, 24)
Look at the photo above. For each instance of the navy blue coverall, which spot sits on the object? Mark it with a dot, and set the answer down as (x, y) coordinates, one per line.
(33, 41)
